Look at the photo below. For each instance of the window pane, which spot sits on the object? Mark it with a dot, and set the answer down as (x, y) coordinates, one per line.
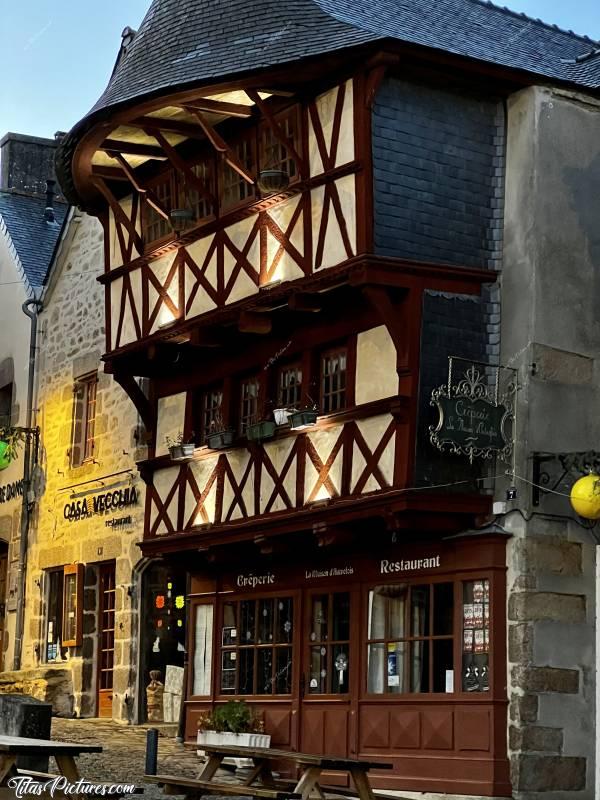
(395, 667)
(228, 665)
(320, 611)
(283, 670)
(341, 617)
(290, 387)
(55, 612)
(376, 668)
(264, 671)
(229, 632)
(397, 599)
(247, 622)
(419, 666)
(246, 678)
(443, 608)
(377, 608)
(265, 621)
(285, 619)
(333, 381)
(442, 661)
(318, 670)
(70, 613)
(419, 611)
(340, 666)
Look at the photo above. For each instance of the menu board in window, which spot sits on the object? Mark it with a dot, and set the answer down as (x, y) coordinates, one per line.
(476, 636)
(72, 605)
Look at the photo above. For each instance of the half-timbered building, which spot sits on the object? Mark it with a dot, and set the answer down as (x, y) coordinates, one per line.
(303, 211)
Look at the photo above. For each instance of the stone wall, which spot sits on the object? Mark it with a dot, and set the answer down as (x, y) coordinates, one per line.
(71, 344)
(550, 335)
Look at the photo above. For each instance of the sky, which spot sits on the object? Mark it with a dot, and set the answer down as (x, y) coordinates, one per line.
(57, 55)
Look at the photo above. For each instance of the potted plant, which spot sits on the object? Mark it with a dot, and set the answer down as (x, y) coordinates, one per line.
(219, 437)
(175, 446)
(263, 425)
(11, 440)
(234, 723)
(304, 417)
(187, 448)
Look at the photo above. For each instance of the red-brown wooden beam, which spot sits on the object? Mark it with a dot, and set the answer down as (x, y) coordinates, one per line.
(220, 107)
(132, 149)
(222, 147)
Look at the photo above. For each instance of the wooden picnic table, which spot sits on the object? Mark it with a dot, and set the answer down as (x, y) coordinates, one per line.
(311, 767)
(63, 752)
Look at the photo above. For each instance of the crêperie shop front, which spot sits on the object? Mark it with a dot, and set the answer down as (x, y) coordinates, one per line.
(396, 655)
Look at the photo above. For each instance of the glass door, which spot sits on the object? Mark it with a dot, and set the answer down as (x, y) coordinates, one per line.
(330, 672)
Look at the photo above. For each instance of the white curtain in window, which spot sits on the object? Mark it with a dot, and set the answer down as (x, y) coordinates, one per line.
(203, 649)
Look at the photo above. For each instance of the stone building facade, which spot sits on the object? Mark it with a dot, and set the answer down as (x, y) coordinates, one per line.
(71, 331)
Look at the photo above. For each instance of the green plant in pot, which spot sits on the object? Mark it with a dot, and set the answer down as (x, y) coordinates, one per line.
(219, 436)
(234, 723)
(11, 440)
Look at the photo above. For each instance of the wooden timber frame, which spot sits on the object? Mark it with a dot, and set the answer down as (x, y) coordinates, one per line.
(337, 500)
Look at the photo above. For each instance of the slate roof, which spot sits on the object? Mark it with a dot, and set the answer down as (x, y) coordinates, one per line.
(34, 238)
(186, 42)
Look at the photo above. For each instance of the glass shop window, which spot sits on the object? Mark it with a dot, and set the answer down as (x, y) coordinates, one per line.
(476, 636)
(256, 646)
(329, 643)
(410, 639)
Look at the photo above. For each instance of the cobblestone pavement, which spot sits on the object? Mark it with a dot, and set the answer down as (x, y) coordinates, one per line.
(123, 757)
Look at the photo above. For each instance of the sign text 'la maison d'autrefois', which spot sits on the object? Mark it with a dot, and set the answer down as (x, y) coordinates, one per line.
(100, 504)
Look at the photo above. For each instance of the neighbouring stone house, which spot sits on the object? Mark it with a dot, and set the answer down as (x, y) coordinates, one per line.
(28, 237)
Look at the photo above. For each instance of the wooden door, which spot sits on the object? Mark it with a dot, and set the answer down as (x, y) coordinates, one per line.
(328, 681)
(106, 638)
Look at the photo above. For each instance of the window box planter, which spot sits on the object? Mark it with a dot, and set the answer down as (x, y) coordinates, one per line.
(261, 430)
(219, 440)
(176, 452)
(302, 419)
(236, 740)
(282, 415)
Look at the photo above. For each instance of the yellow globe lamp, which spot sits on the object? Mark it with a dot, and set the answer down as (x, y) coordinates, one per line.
(585, 496)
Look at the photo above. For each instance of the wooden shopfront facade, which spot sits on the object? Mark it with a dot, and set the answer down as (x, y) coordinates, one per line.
(394, 650)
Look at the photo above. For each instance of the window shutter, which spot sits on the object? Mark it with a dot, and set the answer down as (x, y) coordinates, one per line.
(77, 441)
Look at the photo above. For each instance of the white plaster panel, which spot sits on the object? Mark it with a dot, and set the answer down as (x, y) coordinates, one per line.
(116, 287)
(334, 251)
(170, 421)
(376, 375)
(324, 441)
(345, 150)
(372, 430)
(238, 461)
(278, 452)
(202, 471)
(163, 481)
(161, 268)
(198, 252)
(287, 268)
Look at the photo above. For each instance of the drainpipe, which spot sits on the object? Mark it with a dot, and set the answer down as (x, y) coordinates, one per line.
(27, 470)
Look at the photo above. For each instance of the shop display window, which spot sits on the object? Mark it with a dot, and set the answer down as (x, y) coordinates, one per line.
(256, 646)
(329, 643)
(476, 636)
(410, 639)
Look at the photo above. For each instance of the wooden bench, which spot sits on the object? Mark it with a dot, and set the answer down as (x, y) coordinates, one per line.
(310, 765)
(174, 784)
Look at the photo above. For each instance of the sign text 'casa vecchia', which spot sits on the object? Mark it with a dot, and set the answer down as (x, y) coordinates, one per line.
(100, 504)
(475, 420)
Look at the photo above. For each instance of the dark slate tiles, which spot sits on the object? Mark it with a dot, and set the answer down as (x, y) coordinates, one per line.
(34, 238)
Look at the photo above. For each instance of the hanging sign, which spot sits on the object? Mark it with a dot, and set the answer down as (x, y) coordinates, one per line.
(473, 419)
